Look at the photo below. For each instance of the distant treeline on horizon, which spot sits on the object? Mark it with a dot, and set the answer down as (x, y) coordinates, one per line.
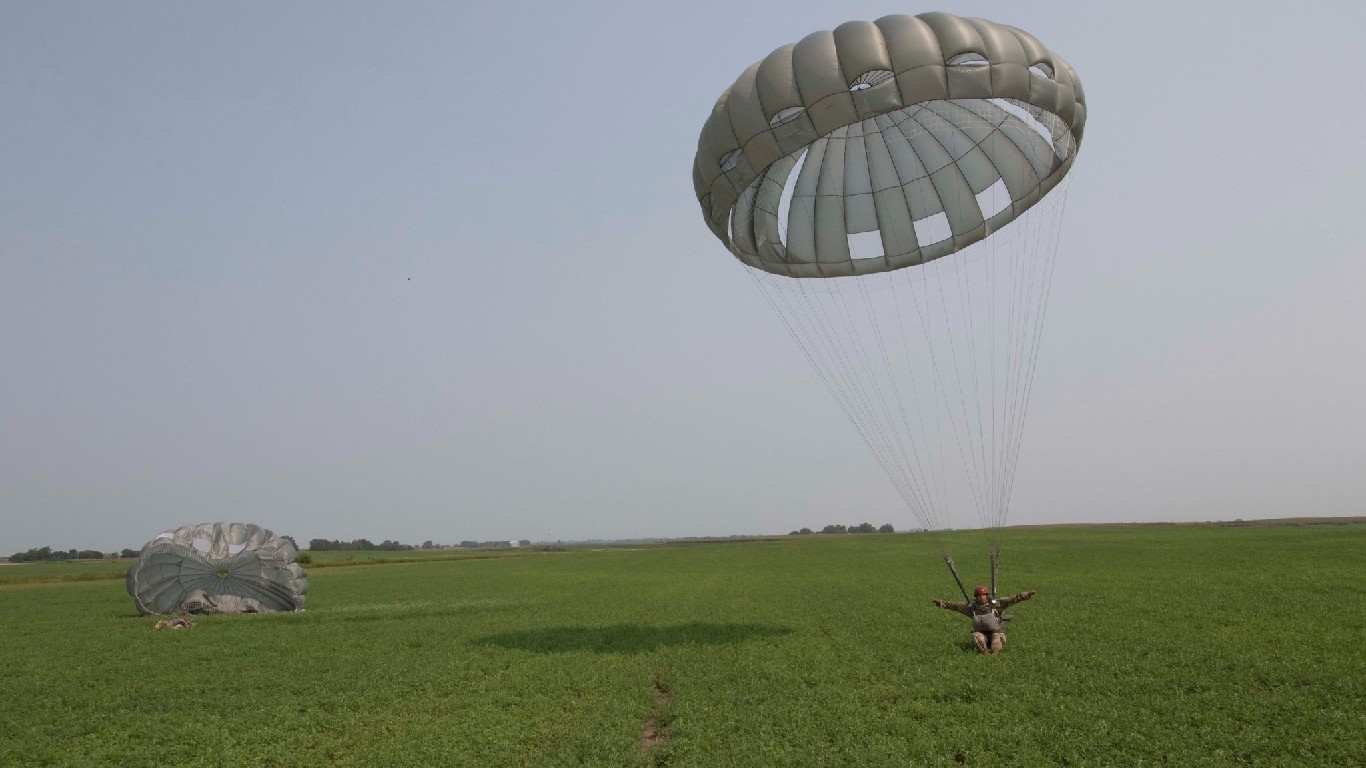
(40, 554)
(365, 545)
(860, 528)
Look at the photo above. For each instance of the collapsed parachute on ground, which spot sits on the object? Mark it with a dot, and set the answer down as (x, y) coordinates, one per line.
(217, 568)
(896, 189)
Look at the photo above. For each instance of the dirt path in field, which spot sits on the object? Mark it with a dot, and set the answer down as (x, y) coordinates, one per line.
(656, 726)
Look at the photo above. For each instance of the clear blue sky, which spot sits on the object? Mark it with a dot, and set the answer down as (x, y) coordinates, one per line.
(435, 271)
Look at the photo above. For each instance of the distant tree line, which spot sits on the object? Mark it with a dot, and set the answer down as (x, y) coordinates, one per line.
(364, 545)
(326, 545)
(48, 553)
(860, 528)
(489, 544)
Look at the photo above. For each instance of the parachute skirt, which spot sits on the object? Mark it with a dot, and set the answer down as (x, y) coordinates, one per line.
(217, 568)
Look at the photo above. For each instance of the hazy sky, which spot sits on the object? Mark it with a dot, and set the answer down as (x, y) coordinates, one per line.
(436, 271)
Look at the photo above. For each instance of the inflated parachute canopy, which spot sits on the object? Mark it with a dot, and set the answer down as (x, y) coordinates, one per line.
(932, 131)
(217, 568)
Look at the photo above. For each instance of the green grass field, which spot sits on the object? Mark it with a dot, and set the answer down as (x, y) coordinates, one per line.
(1177, 645)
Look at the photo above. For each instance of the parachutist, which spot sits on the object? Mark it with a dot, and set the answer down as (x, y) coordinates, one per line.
(988, 633)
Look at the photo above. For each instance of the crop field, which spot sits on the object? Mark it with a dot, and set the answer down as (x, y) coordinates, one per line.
(1146, 645)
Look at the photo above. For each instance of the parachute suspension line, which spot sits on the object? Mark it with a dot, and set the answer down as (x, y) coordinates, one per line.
(954, 570)
(828, 372)
(996, 512)
(856, 361)
(1025, 322)
(918, 471)
(995, 569)
(1021, 267)
(1036, 284)
(1051, 252)
(936, 517)
(1018, 257)
(896, 451)
(991, 357)
(830, 356)
(979, 461)
(963, 452)
(863, 384)
(790, 321)
(962, 432)
(811, 324)
(904, 464)
(1033, 259)
(924, 315)
(942, 409)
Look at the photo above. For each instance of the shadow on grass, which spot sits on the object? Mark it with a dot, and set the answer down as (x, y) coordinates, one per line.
(385, 615)
(628, 638)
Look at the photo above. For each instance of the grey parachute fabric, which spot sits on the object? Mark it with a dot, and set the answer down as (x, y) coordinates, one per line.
(217, 568)
(895, 190)
(894, 123)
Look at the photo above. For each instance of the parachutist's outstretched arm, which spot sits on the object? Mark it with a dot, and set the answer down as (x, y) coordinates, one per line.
(1018, 598)
(959, 607)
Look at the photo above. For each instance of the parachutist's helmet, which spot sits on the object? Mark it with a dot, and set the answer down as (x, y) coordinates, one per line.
(980, 591)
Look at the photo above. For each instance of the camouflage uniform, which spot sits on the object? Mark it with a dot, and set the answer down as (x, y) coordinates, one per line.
(988, 634)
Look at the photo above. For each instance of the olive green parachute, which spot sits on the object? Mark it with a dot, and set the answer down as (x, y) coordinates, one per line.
(895, 122)
(217, 568)
(895, 189)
